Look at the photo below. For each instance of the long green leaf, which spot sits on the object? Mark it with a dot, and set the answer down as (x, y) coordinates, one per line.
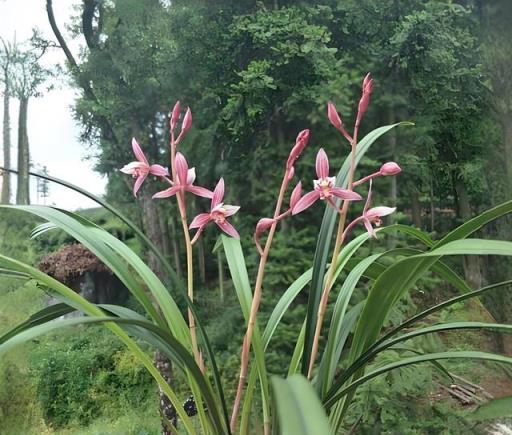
(324, 242)
(299, 410)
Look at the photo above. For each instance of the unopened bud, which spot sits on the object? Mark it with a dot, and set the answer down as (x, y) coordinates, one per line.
(390, 168)
(175, 115)
(367, 89)
(333, 116)
(300, 144)
(187, 122)
(263, 225)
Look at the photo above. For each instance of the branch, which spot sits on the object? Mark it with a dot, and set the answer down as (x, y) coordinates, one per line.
(105, 124)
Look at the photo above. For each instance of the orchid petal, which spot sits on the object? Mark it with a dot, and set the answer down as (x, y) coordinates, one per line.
(228, 229)
(369, 227)
(181, 168)
(132, 166)
(380, 211)
(138, 183)
(345, 194)
(191, 176)
(137, 150)
(218, 193)
(175, 115)
(199, 191)
(200, 220)
(167, 192)
(295, 196)
(230, 210)
(306, 201)
(159, 171)
(333, 116)
(322, 164)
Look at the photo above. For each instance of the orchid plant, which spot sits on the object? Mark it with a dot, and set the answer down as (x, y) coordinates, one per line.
(322, 380)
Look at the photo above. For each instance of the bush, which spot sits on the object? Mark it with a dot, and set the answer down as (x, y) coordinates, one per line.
(82, 376)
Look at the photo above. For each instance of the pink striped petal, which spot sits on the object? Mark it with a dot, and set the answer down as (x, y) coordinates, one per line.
(345, 194)
(379, 211)
(230, 210)
(159, 171)
(295, 196)
(322, 164)
(137, 150)
(306, 201)
(228, 229)
(200, 191)
(132, 166)
(181, 168)
(138, 183)
(167, 192)
(333, 116)
(187, 122)
(218, 193)
(200, 220)
(369, 228)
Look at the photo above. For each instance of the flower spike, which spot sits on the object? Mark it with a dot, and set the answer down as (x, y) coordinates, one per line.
(141, 168)
(324, 187)
(367, 89)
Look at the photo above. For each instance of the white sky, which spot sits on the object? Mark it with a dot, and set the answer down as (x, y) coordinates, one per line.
(53, 134)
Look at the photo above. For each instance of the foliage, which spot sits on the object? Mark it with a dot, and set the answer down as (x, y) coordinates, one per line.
(79, 376)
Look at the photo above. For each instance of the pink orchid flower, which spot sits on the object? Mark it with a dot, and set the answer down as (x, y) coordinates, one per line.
(218, 214)
(372, 215)
(141, 168)
(324, 187)
(184, 182)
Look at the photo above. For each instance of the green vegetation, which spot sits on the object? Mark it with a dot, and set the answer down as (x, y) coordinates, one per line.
(254, 74)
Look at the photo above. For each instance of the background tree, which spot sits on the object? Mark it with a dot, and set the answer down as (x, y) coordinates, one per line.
(7, 58)
(28, 75)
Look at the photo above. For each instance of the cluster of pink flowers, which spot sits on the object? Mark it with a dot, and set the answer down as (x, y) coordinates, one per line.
(324, 187)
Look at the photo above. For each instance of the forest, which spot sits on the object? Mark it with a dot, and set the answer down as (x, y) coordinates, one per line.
(356, 279)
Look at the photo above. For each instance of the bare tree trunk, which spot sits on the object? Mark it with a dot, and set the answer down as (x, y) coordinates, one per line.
(432, 208)
(471, 262)
(506, 122)
(6, 179)
(23, 188)
(416, 209)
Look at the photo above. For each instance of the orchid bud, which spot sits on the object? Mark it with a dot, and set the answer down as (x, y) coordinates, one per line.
(187, 122)
(333, 116)
(300, 144)
(390, 168)
(175, 115)
(367, 89)
(296, 194)
(263, 225)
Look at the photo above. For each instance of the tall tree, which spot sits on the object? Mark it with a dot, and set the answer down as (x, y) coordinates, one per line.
(27, 79)
(7, 59)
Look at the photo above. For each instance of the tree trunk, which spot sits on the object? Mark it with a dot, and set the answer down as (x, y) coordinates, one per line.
(416, 209)
(6, 179)
(157, 233)
(471, 262)
(23, 188)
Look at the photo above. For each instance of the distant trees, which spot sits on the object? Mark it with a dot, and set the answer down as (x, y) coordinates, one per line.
(22, 77)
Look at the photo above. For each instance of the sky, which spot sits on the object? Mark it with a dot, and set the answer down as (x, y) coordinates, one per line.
(53, 134)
